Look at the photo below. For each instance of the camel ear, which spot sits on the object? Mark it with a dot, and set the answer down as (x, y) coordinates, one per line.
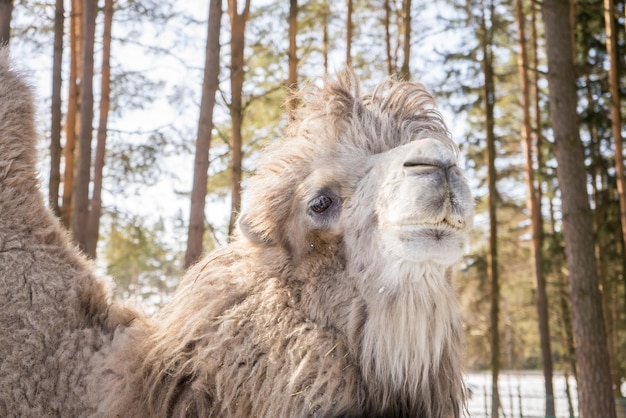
(254, 230)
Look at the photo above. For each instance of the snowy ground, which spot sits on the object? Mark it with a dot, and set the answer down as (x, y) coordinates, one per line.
(522, 394)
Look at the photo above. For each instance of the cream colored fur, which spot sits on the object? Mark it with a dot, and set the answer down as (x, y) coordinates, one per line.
(335, 299)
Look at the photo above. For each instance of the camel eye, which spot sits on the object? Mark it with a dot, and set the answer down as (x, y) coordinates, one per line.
(320, 203)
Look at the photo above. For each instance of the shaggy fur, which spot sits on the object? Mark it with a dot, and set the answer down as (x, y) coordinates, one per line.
(334, 300)
(54, 313)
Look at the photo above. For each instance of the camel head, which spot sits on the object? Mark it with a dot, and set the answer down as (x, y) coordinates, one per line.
(374, 176)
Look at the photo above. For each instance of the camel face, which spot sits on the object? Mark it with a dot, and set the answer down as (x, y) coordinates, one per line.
(424, 208)
(413, 201)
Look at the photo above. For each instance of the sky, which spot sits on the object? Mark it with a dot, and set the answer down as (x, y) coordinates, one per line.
(167, 198)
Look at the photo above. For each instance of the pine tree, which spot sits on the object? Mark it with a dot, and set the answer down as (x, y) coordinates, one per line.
(488, 102)
(536, 218)
(210, 85)
(349, 29)
(405, 69)
(80, 195)
(55, 110)
(95, 206)
(72, 121)
(592, 357)
(237, 43)
(292, 81)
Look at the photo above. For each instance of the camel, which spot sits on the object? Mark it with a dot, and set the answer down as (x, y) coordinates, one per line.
(334, 299)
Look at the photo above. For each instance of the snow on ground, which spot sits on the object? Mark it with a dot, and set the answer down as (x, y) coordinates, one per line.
(522, 394)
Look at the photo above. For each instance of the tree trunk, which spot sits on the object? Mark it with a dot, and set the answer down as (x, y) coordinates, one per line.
(80, 199)
(237, 43)
(616, 127)
(405, 69)
(387, 23)
(325, 39)
(93, 224)
(592, 356)
(292, 82)
(545, 344)
(557, 263)
(72, 121)
(536, 94)
(55, 110)
(536, 218)
(488, 97)
(6, 11)
(349, 34)
(210, 85)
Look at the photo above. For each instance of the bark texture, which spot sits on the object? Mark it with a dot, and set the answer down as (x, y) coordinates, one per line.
(210, 84)
(592, 356)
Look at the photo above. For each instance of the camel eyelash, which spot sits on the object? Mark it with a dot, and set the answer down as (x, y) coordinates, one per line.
(321, 203)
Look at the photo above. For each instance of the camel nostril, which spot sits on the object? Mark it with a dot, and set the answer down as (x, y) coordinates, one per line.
(422, 166)
(419, 161)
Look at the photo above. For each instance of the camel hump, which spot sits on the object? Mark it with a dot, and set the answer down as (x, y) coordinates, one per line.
(17, 126)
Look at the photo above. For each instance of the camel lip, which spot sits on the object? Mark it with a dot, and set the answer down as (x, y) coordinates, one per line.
(436, 227)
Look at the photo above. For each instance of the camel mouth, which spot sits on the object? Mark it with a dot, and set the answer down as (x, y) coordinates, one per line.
(439, 229)
(442, 231)
(439, 232)
(439, 242)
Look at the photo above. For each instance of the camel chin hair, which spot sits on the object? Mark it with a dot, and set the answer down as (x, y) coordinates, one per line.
(335, 297)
